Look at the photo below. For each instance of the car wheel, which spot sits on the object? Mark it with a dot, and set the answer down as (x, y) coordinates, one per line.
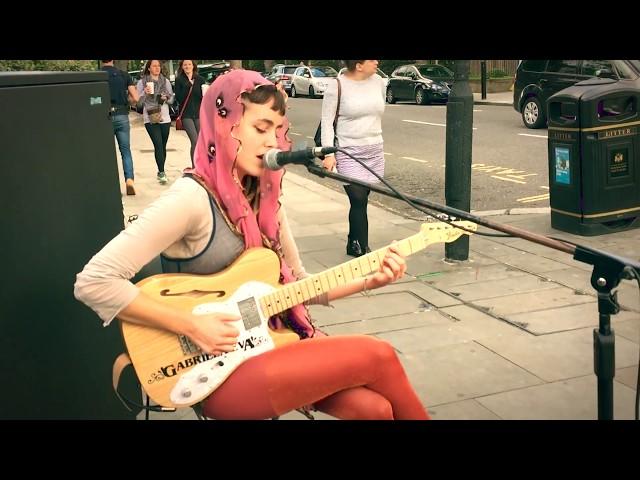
(421, 96)
(293, 91)
(312, 92)
(390, 96)
(532, 114)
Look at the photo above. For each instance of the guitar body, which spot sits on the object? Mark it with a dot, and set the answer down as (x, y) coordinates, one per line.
(176, 373)
(173, 371)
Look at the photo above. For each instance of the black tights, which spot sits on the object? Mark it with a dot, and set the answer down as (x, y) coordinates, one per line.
(159, 133)
(358, 221)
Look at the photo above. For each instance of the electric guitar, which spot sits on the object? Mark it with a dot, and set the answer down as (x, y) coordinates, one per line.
(174, 372)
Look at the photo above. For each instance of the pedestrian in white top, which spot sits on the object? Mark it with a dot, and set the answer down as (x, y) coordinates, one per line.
(359, 132)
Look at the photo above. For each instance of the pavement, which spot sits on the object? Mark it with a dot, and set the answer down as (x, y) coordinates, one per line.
(501, 98)
(507, 334)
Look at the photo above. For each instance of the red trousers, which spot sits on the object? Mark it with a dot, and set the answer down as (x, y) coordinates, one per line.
(349, 377)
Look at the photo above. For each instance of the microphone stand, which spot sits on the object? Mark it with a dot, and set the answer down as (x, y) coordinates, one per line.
(608, 270)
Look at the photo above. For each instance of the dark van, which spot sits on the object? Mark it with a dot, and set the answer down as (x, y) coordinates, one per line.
(537, 80)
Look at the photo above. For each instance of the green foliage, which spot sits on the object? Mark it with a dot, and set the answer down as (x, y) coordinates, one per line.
(48, 65)
(497, 73)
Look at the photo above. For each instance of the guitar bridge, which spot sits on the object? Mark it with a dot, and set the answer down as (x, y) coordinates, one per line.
(188, 347)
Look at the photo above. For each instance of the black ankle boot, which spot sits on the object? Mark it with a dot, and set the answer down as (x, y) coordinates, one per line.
(354, 249)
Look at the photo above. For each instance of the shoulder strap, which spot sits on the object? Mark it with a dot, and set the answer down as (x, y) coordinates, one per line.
(184, 105)
(198, 178)
(335, 119)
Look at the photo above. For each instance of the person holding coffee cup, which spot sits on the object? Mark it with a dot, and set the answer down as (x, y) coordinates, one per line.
(156, 95)
(190, 88)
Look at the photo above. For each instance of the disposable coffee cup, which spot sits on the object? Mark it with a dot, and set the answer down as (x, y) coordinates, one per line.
(150, 86)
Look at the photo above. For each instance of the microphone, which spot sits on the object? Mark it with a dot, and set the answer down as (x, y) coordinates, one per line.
(275, 159)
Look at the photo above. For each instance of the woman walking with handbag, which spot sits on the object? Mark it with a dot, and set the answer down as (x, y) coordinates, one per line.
(356, 127)
(156, 94)
(189, 96)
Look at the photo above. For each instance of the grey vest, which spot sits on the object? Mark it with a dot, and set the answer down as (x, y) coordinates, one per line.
(223, 248)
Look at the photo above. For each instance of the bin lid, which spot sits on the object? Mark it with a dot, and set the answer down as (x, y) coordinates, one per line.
(21, 79)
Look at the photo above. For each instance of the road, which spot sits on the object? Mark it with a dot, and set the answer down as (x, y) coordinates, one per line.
(509, 167)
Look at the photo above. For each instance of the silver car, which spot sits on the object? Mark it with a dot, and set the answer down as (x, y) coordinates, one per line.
(282, 73)
(311, 81)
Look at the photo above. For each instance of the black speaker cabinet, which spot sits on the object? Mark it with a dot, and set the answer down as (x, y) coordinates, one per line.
(61, 203)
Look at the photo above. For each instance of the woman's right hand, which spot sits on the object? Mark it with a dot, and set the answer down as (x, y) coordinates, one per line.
(329, 162)
(213, 333)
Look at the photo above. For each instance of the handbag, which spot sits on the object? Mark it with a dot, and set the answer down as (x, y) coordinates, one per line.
(317, 138)
(155, 114)
(179, 125)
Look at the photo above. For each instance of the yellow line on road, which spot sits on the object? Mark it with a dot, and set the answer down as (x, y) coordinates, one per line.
(415, 159)
(533, 198)
(507, 179)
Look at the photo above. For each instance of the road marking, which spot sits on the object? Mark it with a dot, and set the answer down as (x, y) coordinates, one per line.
(530, 135)
(309, 137)
(536, 199)
(533, 198)
(477, 110)
(501, 173)
(426, 123)
(415, 159)
(387, 153)
(507, 179)
(293, 133)
(429, 123)
(546, 188)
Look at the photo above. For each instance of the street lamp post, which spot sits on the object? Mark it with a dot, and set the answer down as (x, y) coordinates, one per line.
(458, 153)
(483, 78)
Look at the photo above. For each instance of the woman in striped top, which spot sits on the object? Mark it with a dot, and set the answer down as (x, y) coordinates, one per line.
(359, 132)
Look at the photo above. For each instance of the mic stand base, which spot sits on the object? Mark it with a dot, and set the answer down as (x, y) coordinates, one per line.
(606, 275)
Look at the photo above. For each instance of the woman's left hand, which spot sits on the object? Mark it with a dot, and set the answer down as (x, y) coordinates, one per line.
(392, 268)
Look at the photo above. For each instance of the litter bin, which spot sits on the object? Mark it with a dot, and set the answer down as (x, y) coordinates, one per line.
(594, 157)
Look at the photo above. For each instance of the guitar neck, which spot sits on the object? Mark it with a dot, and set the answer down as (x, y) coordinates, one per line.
(298, 292)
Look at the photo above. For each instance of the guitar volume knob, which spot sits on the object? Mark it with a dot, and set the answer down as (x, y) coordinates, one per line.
(203, 378)
(186, 393)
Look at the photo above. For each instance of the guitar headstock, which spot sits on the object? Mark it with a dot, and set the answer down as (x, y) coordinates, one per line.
(436, 232)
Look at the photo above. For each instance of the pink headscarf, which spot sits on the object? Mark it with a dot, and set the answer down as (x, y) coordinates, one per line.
(214, 158)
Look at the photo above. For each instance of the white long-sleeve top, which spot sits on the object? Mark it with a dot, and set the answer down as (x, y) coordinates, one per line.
(362, 104)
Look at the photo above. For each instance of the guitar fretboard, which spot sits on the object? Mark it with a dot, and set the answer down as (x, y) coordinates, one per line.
(298, 292)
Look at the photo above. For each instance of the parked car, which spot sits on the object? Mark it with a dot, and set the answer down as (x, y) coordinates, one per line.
(439, 73)
(537, 80)
(282, 73)
(407, 82)
(311, 81)
(384, 76)
(211, 71)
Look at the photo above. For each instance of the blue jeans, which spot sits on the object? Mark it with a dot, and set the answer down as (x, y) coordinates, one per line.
(121, 129)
